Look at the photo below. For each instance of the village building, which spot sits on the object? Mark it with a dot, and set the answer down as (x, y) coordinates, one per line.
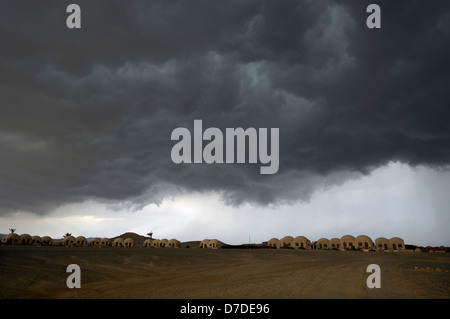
(68, 241)
(105, 242)
(273, 242)
(286, 242)
(47, 241)
(364, 242)
(163, 243)
(301, 242)
(147, 243)
(155, 243)
(118, 242)
(335, 243)
(381, 244)
(396, 243)
(11, 239)
(214, 244)
(323, 243)
(96, 242)
(25, 239)
(80, 241)
(128, 242)
(204, 243)
(173, 243)
(347, 242)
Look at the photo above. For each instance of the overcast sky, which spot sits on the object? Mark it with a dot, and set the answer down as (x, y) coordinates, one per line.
(86, 117)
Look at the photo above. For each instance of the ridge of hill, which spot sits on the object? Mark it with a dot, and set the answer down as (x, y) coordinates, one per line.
(138, 239)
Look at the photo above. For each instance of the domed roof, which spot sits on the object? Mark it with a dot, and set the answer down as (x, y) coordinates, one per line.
(396, 239)
(287, 239)
(363, 238)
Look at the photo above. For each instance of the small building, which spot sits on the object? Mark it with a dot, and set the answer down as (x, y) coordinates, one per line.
(11, 239)
(214, 244)
(147, 243)
(105, 242)
(301, 242)
(381, 244)
(163, 243)
(397, 243)
(95, 242)
(81, 241)
(286, 242)
(323, 243)
(273, 242)
(118, 242)
(47, 241)
(155, 243)
(347, 242)
(335, 243)
(25, 239)
(204, 243)
(364, 242)
(128, 242)
(173, 243)
(68, 241)
(36, 240)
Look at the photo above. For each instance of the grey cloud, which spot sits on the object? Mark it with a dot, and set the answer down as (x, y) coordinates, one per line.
(87, 114)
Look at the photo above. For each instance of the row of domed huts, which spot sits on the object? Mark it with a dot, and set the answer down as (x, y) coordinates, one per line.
(347, 242)
(119, 242)
(81, 241)
(25, 239)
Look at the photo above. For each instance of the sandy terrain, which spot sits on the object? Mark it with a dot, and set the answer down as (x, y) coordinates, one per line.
(40, 272)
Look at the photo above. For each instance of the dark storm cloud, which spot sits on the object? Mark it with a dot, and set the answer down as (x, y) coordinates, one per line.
(87, 114)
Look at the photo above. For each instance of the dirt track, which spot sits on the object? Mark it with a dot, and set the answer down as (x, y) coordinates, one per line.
(40, 272)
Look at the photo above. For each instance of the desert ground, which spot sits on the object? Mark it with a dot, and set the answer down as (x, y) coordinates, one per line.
(184, 273)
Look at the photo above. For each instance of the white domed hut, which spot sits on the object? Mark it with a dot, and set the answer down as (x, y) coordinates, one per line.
(118, 242)
(128, 242)
(301, 242)
(397, 243)
(273, 242)
(286, 242)
(347, 242)
(25, 239)
(47, 241)
(214, 244)
(68, 241)
(173, 243)
(163, 243)
(204, 243)
(323, 243)
(335, 243)
(382, 243)
(155, 243)
(364, 242)
(147, 243)
(95, 242)
(36, 240)
(81, 241)
(105, 242)
(11, 239)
